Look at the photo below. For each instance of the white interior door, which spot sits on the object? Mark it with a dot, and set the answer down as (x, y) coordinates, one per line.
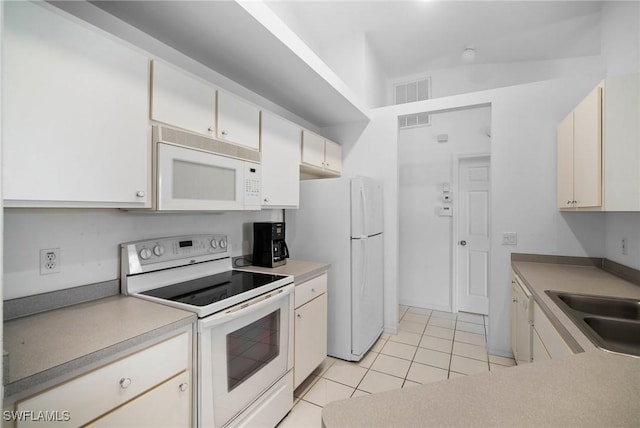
(473, 235)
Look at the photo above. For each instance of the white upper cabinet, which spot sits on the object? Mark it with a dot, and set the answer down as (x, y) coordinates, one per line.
(621, 132)
(587, 151)
(333, 156)
(320, 157)
(75, 113)
(181, 100)
(565, 162)
(238, 121)
(312, 149)
(599, 149)
(580, 155)
(280, 162)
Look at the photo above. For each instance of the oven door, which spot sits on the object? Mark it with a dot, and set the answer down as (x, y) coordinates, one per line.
(189, 179)
(243, 351)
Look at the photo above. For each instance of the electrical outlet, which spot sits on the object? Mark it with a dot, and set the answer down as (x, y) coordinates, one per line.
(49, 261)
(625, 247)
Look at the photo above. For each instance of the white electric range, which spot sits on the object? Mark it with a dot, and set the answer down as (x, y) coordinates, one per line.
(244, 343)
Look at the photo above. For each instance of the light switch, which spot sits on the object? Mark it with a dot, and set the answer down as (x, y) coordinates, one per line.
(509, 238)
(446, 211)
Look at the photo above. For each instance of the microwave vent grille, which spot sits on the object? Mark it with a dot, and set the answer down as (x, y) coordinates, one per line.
(187, 139)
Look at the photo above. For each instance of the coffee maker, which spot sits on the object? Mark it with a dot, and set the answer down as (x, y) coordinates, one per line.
(269, 248)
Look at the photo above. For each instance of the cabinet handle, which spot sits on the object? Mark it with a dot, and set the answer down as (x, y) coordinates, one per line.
(313, 290)
(140, 194)
(125, 382)
(183, 386)
(328, 165)
(266, 199)
(299, 316)
(224, 132)
(210, 129)
(514, 300)
(569, 202)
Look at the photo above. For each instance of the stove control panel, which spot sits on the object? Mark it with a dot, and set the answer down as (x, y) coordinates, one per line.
(161, 253)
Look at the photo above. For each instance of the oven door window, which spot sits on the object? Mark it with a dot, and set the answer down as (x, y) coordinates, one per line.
(252, 347)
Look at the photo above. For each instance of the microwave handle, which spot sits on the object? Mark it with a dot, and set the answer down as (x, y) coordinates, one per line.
(286, 251)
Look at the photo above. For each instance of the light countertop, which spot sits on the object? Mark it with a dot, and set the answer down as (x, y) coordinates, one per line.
(301, 270)
(50, 345)
(593, 388)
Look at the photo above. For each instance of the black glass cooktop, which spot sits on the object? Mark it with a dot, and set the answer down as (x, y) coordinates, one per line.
(211, 289)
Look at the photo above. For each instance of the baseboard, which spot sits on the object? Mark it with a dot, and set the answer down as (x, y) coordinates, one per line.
(424, 305)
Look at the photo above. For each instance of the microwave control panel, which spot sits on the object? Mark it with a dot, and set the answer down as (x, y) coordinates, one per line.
(252, 185)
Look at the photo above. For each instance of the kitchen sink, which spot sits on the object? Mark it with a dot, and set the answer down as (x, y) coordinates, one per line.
(611, 323)
(603, 306)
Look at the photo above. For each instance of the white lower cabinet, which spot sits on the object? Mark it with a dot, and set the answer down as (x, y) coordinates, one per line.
(549, 337)
(520, 321)
(167, 405)
(539, 352)
(310, 347)
(148, 388)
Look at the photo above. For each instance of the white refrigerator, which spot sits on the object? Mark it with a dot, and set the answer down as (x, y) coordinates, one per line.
(340, 222)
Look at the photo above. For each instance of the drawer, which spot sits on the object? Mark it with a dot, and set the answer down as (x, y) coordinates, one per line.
(310, 289)
(93, 394)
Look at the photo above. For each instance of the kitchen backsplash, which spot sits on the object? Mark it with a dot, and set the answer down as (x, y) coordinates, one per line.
(89, 241)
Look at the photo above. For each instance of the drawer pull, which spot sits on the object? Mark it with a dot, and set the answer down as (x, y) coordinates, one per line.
(183, 386)
(125, 382)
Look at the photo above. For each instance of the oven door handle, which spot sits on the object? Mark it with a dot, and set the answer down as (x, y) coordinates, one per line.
(242, 308)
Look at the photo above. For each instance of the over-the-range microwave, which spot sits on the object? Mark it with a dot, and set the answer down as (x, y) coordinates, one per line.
(195, 173)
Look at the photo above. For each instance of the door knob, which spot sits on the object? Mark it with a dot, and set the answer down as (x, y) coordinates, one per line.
(463, 243)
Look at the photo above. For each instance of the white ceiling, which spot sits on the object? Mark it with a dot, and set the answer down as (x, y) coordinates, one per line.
(409, 37)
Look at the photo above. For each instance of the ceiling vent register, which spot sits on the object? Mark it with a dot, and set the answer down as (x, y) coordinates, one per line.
(408, 92)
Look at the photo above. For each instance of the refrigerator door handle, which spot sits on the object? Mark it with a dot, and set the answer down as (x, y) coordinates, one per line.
(364, 211)
(365, 263)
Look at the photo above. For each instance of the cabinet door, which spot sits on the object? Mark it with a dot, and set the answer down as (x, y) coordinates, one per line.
(549, 336)
(167, 405)
(514, 318)
(333, 156)
(280, 162)
(312, 149)
(310, 337)
(538, 350)
(181, 100)
(565, 162)
(238, 121)
(75, 113)
(587, 151)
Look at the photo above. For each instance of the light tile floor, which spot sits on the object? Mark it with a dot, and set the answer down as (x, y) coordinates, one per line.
(430, 346)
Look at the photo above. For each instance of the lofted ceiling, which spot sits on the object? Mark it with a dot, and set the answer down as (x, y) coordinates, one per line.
(408, 37)
(415, 36)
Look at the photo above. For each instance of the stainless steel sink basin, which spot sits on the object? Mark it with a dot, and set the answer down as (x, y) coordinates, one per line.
(611, 323)
(603, 306)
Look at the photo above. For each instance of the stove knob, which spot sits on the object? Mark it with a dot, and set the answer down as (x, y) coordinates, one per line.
(214, 244)
(223, 243)
(145, 254)
(158, 250)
